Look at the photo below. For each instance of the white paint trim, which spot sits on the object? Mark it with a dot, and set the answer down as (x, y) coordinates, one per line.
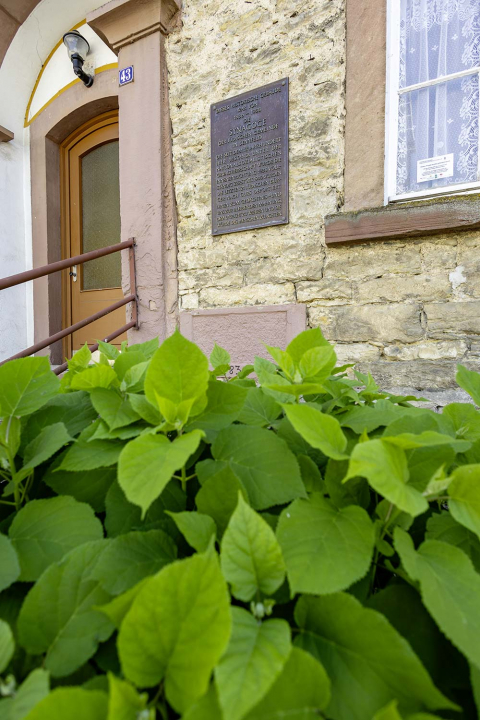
(460, 189)
(27, 205)
(391, 99)
(437, 81)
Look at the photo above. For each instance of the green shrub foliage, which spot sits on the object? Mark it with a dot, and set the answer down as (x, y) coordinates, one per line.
(289, 543)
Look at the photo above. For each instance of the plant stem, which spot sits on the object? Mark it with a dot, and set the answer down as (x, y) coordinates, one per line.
(184, 479)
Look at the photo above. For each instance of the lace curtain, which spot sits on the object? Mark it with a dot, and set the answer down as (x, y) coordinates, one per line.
(437, 38)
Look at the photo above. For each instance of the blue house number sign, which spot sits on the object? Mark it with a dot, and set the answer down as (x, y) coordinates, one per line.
(125, 76)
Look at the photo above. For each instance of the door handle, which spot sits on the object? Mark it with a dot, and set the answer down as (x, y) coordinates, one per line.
(73, 273)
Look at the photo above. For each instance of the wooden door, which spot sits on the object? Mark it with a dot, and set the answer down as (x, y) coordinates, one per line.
(91, 173)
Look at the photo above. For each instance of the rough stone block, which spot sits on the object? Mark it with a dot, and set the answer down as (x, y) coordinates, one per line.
(285, 267)
(266, 294)
(417, 374)
(398, 288)
(213, 277)
(356, 352)
(372, 260)
(369, 323)
(429, 350)
(336, 291)
(452, 319)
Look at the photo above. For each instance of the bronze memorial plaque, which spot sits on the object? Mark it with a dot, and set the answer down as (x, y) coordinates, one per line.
(249, 147)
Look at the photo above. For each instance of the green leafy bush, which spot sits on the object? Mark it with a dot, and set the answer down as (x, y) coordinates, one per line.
(175, 545)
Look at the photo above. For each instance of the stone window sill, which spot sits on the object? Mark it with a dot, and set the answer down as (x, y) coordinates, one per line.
(412, 219)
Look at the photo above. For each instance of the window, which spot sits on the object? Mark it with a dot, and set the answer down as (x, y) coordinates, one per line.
(432, 110)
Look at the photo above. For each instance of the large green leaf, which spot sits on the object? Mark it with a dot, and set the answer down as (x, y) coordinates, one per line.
(177, 629)
(113, 407)
(9, 566)
(73, 409)
(145, 409)
(88, 454)
(267, 375)
(262, 462)
(305, 341)
(385, 467)
(59, 617)
(251, 558)
(26, 385)
(317, 363)
(123, 516)
(442, 526)
(219, 356)
(73, 703)
(470, 382)
(325, 549)
(225, 402)
(117, 608)
(197, 529)
(131, 557)
(46, 530)
(99, 376)
(401, 604)
(33, 689)
(285, 363)
(49, 441)
(147, 348)
(178, 375)
(450, 589)
(464, 492)
(7, 645)
(90, 486)
(368, 418)
(254, 659)
(319, 430)
(259, 409)
(124, 703)
(301, 691)
(126, 361)
(218, 496)
(147, 464)
(465, 420)
(428, 438)
(368, 662)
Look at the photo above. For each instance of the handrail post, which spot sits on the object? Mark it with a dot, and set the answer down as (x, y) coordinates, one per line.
(133, 281)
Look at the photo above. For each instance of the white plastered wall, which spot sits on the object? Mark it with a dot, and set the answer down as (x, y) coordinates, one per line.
(21, 66)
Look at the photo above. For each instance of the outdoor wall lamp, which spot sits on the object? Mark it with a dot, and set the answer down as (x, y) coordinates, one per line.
(78, 49)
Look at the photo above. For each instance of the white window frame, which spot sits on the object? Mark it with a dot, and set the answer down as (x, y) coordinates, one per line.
(392, 96)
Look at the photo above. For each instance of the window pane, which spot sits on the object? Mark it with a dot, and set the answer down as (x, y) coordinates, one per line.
(101, 216)
(434, 122)
(437, 38)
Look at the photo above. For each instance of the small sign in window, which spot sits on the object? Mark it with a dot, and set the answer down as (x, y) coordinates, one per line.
(435, 168)
(125, 76)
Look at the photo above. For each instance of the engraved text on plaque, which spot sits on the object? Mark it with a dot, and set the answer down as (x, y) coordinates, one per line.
(249, 136)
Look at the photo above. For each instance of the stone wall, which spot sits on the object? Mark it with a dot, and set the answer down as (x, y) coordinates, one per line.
(407, 311)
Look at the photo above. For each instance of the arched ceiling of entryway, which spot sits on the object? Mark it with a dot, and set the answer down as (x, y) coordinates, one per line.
(12, 14)
(37, 27)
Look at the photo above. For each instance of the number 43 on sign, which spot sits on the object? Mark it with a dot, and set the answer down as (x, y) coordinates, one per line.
(126, 75)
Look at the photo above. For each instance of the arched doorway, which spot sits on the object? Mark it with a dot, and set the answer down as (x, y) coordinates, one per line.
(90, 221)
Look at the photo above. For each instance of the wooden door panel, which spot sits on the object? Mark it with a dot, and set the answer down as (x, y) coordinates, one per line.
(94, 222)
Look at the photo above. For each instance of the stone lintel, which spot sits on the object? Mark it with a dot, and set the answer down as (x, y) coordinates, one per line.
(5, 135)
(414, 219)
(122, 22)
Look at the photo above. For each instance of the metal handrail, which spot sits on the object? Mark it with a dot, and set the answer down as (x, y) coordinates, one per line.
(28, 275)
(22, 277)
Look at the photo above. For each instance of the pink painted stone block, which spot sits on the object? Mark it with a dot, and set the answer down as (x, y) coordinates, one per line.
(242, 331)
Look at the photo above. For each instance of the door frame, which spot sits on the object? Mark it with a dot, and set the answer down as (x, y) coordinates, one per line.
(101, 121)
